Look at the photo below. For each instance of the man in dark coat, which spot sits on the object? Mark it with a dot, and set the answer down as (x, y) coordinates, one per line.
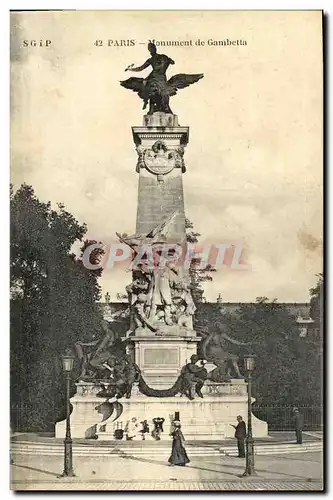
(240, 435)
(298, 422)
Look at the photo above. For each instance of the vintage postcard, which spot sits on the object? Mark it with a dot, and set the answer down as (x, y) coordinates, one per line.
(166, 250)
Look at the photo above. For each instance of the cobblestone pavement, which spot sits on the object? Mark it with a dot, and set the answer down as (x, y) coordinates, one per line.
(285, 472)
(241, 485)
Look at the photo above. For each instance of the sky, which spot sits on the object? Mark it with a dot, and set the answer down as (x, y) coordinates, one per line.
(254, 157)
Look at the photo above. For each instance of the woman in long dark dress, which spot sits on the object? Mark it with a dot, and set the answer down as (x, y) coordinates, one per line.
(178, 453)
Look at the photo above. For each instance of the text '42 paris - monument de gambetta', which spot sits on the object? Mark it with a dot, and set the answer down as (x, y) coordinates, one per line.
(166, 367)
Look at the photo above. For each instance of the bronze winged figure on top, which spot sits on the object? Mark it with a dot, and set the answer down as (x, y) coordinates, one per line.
(156, 89)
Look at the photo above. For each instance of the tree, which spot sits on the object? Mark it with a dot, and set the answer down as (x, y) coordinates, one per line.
(286, 369)
(198, 275)
(53, 302)
(314, 339)
(317, 301)
(273, 336)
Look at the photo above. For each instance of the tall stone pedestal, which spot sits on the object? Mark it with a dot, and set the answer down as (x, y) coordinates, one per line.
(209, 418)
(160, 146)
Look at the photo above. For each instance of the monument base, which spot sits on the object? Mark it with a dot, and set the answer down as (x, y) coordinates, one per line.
(210, 418)
(161, 357)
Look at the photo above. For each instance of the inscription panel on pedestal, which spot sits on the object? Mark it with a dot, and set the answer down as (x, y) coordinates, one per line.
(154, 356)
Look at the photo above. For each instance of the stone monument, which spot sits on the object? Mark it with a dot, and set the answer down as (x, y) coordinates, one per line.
(160, 374)
(165, 340)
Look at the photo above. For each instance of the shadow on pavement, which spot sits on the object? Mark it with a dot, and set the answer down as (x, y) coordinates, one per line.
(36, 470)
(145, 460)
(214, 470)
(261, 470)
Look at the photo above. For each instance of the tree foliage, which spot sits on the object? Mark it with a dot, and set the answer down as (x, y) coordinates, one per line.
(198, 273)
(53, 302)
(317, 301)
(288, 367)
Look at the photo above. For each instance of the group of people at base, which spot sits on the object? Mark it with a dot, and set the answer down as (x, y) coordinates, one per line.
(133, 429)
(178, 453)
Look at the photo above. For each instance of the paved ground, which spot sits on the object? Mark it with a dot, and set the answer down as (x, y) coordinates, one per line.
(286, 472)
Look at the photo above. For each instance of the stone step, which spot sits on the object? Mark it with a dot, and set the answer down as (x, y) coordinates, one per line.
(276, 449)
(160, 453)
(94, 448)
(99, 452)
(56, 449)
(105, 449)
(276, 445)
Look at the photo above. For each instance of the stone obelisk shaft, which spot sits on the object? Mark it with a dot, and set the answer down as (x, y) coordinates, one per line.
(160, 192)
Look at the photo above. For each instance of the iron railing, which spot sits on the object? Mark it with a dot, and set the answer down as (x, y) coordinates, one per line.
(280, 417)
(21, 418)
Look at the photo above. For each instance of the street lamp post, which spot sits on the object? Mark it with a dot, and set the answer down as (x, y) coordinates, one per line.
(67, 366)
(249, 468)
